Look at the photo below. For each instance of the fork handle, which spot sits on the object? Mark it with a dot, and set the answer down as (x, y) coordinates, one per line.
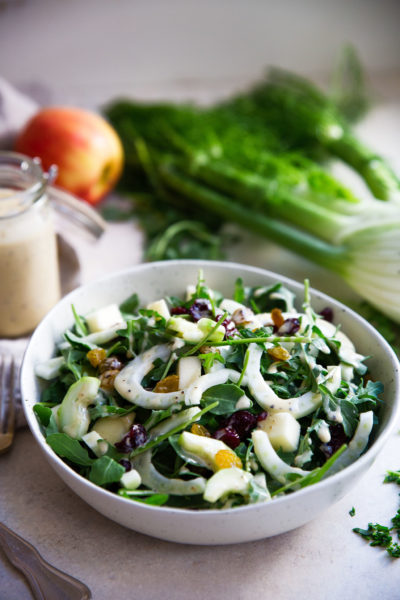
(45, 580)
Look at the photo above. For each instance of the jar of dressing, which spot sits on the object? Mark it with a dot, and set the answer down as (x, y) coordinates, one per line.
(29, 272)
(29, 276)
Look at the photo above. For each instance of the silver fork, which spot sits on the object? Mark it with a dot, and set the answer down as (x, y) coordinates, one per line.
(46, 581)
(8, 387)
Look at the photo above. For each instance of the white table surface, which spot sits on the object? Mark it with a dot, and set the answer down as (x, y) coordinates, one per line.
(323, 560)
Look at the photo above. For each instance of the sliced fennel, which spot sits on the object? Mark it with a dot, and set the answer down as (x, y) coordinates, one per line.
(212, 424)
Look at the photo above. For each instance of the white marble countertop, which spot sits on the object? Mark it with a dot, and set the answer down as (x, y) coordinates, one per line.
(322, 560)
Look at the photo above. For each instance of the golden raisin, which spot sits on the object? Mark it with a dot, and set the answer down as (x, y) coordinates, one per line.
(168, 384)
(107, 379)
(278, 353)
(224, 459)
(96, 356)
(277, 317)
(200, 430)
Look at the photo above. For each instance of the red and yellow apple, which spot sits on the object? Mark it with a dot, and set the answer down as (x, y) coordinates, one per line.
(85, 148)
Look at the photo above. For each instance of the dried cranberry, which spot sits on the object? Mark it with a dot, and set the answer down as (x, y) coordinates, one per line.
(289, 327)
(262, 416)
(338, 438)
(136, 436)
(242, 421)
(230, 328)
(201, 309)
(126, 464)
(229, 436)
(179, 310)
(327, 314)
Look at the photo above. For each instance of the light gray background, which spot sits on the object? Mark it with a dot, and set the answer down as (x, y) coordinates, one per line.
(125, 43)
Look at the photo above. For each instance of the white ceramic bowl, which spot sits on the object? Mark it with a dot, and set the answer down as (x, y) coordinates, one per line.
(155, 280)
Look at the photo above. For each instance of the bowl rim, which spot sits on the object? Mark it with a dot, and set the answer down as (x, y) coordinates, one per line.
(364, 459)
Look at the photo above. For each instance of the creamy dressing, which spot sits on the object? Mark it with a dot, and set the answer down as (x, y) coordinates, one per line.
(29, 279)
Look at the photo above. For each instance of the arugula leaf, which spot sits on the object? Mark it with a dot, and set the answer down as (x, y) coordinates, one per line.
(73, 359)
(78, 342)
(54, 393)
(80, 324)
(257, 493)
(145, 496)
(161, 438)
(350, 416)
(130, 305)
(159, 415)
(69, 448)
(43, 413)
(156, 373)
(105, 470)
(239, 294)
(154, 499)
(131, 334)
(185, 456)
(226, 394)
(161, 322)
(371, 390)
(286, 296)
(260, 297)
(209, 359)
(46, 418)
(105, 410)
(313, 476)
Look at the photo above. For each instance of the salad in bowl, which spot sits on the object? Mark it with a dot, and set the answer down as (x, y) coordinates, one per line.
(208, 402)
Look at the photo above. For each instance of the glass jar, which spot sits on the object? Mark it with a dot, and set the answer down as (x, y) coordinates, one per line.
(29, 275)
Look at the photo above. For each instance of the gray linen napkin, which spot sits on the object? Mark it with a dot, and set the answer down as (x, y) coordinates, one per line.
(15, 110)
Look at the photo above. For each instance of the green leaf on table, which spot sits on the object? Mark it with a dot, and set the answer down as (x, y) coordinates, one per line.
(392, 477)
(69, 448)
(227, 395)
(105, 470)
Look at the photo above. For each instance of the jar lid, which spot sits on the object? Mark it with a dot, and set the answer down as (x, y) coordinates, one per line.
(22, 183)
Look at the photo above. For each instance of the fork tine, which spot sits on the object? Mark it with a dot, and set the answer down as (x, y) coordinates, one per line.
(7, 404)
(11, 404)
(3, 405)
